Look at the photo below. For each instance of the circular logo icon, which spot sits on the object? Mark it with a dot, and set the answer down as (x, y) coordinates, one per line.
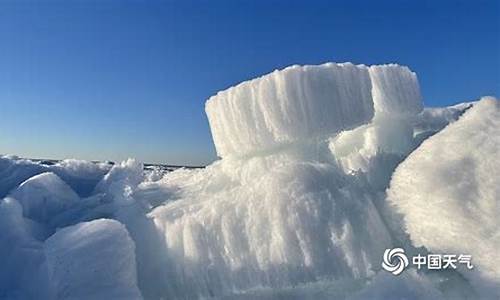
(395, 260)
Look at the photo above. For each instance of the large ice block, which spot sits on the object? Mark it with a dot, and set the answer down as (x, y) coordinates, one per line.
(290, 105)
(301, 103)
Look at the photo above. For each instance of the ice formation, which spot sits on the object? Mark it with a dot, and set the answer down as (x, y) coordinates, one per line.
(397, 101)
(43, 196)
(293, 105)
(92, 260)
(295, 209)
(448, 191)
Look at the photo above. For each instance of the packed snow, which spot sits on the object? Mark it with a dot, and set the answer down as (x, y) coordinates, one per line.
(448, 191)
(301, 204)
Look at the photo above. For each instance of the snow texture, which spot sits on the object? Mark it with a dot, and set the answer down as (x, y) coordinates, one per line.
(448, 191)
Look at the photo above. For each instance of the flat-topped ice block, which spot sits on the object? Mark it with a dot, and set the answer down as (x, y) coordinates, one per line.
(294, 104)
(395, 90)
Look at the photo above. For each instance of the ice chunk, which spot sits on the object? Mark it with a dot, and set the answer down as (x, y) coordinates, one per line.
(286, 214)
(356, 149)
(448, 191)
(303, 103)
(43, 196)
(127, 173)
(23, 274)
(433, 119)
(294, 104)
(92, 260)
(397, 101)
(13, 171)
(395, 90)
(81, 175)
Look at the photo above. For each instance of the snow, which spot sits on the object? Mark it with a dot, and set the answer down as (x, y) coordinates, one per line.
(298, 206)
(448, 191)
(92, 260)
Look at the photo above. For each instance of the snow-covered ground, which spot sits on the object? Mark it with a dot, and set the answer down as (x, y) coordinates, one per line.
(322, 169)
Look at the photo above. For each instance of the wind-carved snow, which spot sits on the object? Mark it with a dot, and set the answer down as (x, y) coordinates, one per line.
(294, 209)
(448, 191)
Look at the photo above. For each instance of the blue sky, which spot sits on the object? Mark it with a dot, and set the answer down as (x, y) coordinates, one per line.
(115, 79)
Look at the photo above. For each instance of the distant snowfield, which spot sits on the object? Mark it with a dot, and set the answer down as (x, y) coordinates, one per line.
(322, 169)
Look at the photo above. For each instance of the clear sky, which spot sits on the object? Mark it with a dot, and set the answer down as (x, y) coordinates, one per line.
(112, 79)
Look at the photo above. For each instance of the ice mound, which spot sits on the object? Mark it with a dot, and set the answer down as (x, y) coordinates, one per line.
(120, 181)
(13, 171)
(273, 221)
(434, 119)
(287, 106)
(277, 210)
(81, 175)
(22, 260)
(92, 260)
(448, 191)
(43, 196)
(89, 260)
